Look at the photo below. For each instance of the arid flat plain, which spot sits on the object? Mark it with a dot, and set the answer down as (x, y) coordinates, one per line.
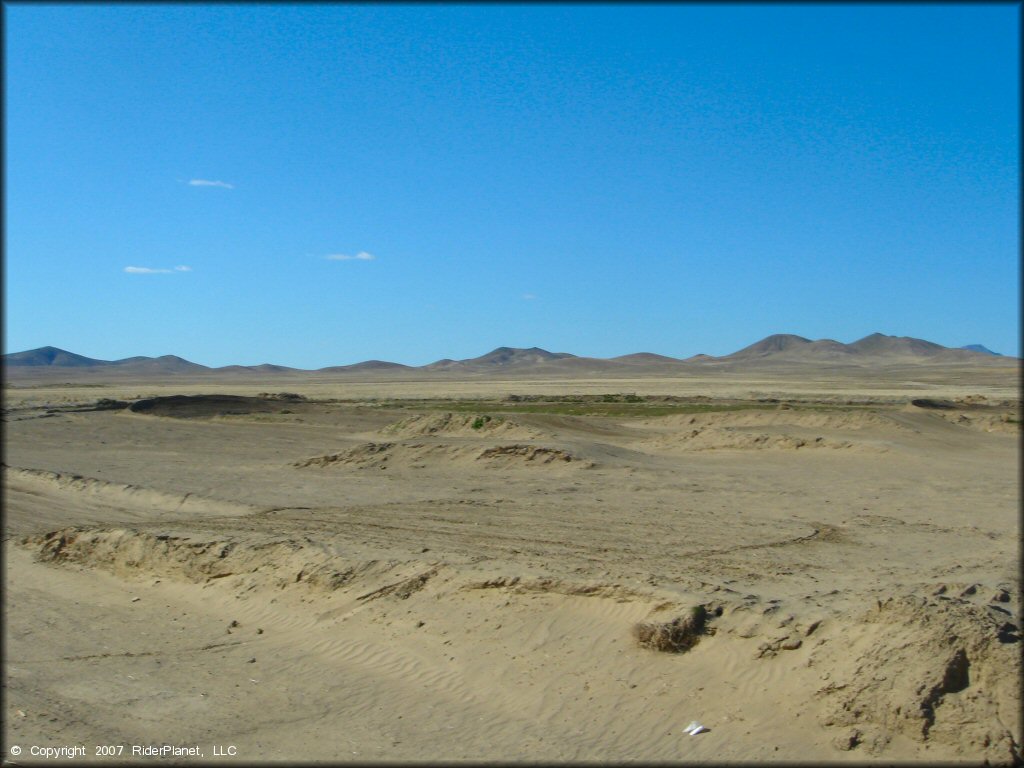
(428, 568)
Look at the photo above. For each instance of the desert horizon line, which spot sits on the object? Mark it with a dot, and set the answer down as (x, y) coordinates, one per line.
(777, 343)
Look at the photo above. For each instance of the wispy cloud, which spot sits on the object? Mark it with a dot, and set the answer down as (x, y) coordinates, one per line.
(529, 296)
(361, 256)
(155, 271)
(208, 183)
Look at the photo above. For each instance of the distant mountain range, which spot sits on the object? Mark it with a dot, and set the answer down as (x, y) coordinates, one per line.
(779, 348)
(59, 358)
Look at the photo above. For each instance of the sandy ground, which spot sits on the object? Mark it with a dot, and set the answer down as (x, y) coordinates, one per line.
(361, 581)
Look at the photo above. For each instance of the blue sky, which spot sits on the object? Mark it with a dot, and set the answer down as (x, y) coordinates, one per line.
(595, 179)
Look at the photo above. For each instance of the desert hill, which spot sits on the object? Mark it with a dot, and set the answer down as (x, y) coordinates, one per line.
(789, 346)
(262, 368)
(60, 358)
(368, 365)
(171, 364)
(875, 349)
(880, 344)
(644, 357)
(502, 357)
(51, 356)
(981, 348)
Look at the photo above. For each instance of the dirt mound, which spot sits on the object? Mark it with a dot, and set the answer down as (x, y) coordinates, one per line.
(842, 420)
(420, 455)
(253, 564)
(782, 428)
(383, 455)
(361, 454)
(206, 406)
(555, 586)
(291, 397)
(92, 490)
(931, 669)
(1006, 422)
(459, 424)
(710, 439)
(537, 454)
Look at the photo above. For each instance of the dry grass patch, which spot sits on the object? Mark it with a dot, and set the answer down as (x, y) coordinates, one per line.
(675, 636)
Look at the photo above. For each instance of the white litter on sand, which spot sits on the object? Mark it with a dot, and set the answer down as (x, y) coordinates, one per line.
(694, 728)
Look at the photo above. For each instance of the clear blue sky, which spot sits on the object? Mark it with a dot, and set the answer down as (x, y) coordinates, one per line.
(590, 179)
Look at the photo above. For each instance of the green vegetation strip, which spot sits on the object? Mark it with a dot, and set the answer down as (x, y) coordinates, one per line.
(600, 405)
(573, 409)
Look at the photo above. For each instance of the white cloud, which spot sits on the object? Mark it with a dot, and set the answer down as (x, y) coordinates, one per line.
(155, 271)
(361, 256)
(529, 296)
(208, 183)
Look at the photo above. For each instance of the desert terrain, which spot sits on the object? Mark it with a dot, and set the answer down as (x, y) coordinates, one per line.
(813, 563)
